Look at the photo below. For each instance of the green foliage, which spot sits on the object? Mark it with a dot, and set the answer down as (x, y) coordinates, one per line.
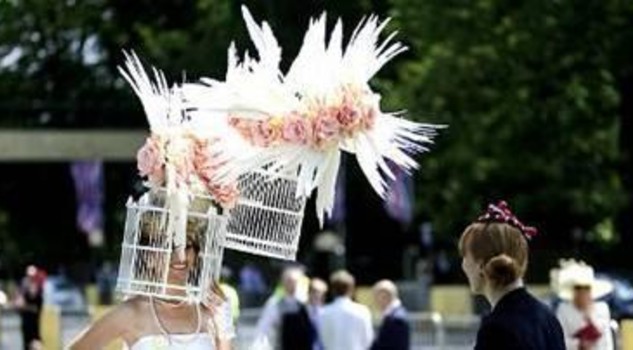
(50, 61)
(529, 92)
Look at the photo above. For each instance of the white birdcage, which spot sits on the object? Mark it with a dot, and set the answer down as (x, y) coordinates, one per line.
(148, 249)
(268, 216)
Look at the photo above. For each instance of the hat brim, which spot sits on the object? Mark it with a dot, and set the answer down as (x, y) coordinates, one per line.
(599, 289)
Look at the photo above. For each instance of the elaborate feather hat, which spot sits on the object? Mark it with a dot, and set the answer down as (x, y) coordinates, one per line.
(183, 202)
(298, 122)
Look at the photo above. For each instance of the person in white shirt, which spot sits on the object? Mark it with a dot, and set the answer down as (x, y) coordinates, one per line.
(345, 324)
(585, 322)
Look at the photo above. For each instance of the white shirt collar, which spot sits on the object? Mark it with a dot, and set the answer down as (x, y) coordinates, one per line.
(391, 307)
(342, 299)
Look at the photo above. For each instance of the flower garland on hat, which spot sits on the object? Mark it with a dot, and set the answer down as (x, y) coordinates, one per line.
(320, 127)
(195, 159)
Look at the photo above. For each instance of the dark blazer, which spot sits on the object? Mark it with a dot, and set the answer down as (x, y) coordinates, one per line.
(520, 322)
(393, 333)
(297, 332)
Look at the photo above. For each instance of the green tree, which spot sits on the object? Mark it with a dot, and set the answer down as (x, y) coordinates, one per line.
(531, 96)
(50, 67)
(59, 58)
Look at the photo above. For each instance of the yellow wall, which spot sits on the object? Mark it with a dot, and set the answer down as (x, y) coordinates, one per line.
(50, 327)
(626, 328)
(451, 300)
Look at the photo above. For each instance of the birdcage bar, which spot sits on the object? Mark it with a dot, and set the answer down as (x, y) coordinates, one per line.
(268, 216)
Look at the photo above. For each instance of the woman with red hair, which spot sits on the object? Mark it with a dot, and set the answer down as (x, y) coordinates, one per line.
(495, 257)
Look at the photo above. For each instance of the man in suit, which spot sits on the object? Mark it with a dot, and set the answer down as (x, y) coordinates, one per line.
(394, 333)
(285, 323)
(345, 324)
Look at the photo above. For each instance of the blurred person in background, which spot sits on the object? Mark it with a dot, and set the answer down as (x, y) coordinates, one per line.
(345, 324)
(36, 345)
(494, 249)
(106, 281)
(251, 284)
(3, 299)
(585, 321)
(29, 303)
(316, 299)
(230, 292)
(284, 323)
(393, 332)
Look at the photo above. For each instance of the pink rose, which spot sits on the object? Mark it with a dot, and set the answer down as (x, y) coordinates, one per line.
(225, 195)
(264, 133)
(206, 159)
(296, 129)
(348, 117)
(326, 128)
(151, 160)
(243, 126)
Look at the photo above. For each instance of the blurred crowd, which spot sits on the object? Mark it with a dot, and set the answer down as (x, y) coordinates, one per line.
(298, 317)
(309, 313)
(314, 314)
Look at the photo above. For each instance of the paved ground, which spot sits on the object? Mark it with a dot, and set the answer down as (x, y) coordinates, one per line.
(457, 337)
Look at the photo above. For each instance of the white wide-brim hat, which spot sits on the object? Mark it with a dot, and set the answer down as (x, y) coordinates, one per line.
(573, 274)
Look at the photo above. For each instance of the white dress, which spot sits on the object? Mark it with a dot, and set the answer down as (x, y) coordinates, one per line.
(573, 320)
(192, 341)
(200, 341)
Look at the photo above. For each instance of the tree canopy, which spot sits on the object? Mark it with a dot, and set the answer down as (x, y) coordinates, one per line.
(531, 92)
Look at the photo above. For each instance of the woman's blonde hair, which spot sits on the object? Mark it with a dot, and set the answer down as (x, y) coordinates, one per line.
(500, 248)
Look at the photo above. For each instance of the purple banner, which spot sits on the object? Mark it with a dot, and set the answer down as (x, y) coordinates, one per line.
(400, 197)
(88, 179)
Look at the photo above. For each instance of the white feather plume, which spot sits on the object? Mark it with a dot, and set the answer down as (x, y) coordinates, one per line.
(256, 89)
(157, 98)
(164, 111)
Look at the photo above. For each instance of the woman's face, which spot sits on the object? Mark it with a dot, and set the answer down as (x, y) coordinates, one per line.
(582, 297)
(179, 269)
(474, 273)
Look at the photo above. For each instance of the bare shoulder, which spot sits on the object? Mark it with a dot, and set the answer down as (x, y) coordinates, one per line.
(118, 322)
(128, 310)
(135, 304)
(127, 316)
(212, 312)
